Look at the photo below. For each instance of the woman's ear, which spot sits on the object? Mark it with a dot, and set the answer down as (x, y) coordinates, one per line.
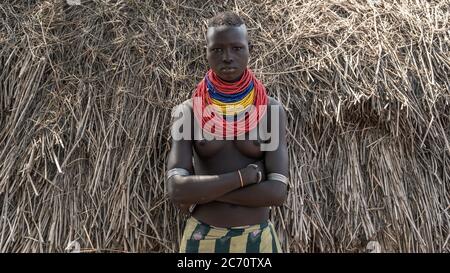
(250, 47)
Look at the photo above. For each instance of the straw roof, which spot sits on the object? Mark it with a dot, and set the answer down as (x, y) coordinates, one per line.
(86, 93)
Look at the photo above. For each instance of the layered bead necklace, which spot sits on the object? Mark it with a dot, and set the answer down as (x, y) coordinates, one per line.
(227, 109)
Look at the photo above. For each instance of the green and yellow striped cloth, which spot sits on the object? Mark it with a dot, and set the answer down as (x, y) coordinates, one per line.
(199, 237)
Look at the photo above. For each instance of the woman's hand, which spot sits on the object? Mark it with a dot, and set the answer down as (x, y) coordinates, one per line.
(253, 173)
(262, 168)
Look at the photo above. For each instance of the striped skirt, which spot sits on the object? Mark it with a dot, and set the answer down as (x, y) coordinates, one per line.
(199, 237)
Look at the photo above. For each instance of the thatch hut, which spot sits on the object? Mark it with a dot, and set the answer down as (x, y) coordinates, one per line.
(86, 93)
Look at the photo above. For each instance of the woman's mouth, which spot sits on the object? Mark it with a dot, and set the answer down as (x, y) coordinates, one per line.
(228, 69)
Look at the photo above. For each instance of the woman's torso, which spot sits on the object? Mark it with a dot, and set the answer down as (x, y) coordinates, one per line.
(223, 156)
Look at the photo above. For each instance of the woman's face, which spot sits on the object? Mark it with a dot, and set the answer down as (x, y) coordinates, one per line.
(227, 51)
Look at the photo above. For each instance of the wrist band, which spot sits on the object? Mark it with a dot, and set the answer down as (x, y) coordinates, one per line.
(240, 177)
(177, 171)
(277, 177)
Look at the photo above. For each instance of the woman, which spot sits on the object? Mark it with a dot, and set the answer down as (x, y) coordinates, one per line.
(222, 170)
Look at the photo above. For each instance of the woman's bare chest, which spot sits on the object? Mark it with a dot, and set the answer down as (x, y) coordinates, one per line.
(218, 148)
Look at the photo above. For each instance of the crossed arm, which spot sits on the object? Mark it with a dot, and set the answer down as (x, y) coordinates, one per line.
(201, 189)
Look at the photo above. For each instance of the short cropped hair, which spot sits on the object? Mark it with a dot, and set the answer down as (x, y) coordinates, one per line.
(227, 18)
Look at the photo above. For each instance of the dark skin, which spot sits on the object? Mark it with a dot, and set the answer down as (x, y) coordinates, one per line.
(216, 186)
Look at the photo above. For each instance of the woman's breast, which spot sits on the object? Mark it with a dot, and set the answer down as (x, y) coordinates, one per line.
(221, 156)
(210, 148)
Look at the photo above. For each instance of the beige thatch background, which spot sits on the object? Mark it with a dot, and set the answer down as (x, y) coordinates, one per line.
(85, 99)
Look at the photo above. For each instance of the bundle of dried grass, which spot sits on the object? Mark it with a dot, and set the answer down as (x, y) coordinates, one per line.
(85, 98)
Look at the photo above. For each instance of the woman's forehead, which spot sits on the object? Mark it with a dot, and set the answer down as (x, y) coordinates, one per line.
(227, 34)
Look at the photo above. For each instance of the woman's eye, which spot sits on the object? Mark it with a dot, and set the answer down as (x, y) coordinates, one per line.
(217, 49)
(237, 48)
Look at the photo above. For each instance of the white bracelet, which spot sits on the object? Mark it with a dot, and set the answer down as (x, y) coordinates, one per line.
(177, 171)
(277, 177)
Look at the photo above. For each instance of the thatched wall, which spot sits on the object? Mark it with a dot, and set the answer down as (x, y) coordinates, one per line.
(85, 99)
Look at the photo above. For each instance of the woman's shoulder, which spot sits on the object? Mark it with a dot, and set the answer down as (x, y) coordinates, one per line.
(276, 106)
(273, 101)
(187, 103)
(185, 106)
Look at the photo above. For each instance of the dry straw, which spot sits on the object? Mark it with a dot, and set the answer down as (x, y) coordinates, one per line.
(85, 98)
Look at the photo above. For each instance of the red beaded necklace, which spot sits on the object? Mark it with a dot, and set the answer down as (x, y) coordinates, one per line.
(212, 121)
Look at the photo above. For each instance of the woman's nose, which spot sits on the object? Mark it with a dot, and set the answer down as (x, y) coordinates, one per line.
(227, 56)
